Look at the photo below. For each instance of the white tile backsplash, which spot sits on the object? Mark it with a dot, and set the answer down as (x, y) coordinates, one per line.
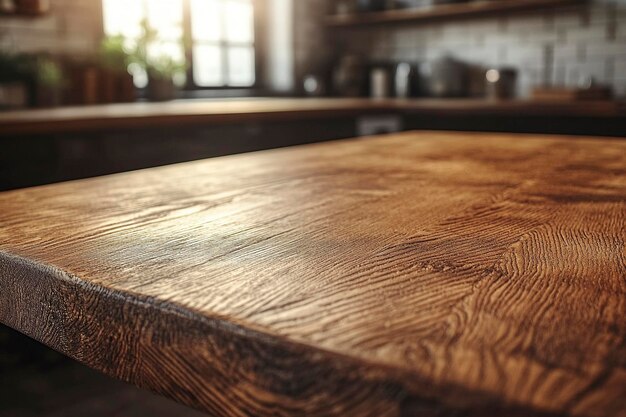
(588, 40)
(73, 27)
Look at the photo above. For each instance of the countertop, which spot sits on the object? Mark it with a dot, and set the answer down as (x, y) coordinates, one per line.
(412, 274)
(185, 112)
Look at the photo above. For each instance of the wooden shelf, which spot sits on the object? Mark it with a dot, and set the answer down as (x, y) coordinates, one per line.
(446, 11)
(23, 15)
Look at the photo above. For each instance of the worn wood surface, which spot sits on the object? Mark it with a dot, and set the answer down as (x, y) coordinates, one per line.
(198, 112)
(410, 275)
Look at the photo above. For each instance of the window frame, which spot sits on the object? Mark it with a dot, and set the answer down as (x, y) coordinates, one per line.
(187, 33)
(190, 84)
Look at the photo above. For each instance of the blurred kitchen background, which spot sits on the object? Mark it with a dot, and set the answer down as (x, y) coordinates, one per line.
(217, 48)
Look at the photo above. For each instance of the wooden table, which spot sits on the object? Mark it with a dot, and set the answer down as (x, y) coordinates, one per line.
(408, 275)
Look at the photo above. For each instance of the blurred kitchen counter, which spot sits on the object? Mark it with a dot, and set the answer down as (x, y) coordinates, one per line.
(229, 111)
(52, 145)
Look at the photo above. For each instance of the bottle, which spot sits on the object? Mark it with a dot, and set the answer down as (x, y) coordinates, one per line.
(404, 80)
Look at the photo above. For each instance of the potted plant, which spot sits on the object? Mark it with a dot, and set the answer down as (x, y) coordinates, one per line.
(16, 80)
(161, 78)
(49, 80)
(32, 7)
(116, 83)
(41, 77)
(162, 70)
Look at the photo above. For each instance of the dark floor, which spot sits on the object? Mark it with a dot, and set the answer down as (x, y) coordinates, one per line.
(38, 382)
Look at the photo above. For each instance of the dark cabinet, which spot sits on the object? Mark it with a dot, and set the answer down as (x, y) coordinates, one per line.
(43, 159)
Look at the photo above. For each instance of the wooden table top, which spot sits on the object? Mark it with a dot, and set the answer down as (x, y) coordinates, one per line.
(413, 274)
(141, 115)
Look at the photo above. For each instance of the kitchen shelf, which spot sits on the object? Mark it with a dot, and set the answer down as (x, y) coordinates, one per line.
(445, 12)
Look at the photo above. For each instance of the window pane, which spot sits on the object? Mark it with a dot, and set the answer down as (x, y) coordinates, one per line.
(122, 17)
(166, 50)
(166, 16)
(207, 65)
(205, 20)
(241, 66)
(239, 21)
(222, 32)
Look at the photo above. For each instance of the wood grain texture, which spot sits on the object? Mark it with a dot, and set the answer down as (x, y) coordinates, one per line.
(61, 387)
(197, 112)
(418, 274)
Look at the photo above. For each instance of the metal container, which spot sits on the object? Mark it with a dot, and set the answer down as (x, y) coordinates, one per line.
(314, 86)
(371, 5)
(445, 77)
(350, 77)
(501, 83)
(380, 83)
(404, 80)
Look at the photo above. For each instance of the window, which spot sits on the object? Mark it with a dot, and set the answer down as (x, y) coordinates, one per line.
(222, 34)
(219, 50)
